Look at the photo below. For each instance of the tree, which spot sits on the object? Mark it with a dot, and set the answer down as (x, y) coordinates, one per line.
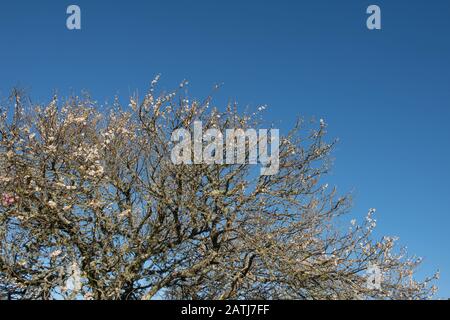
(93, 207)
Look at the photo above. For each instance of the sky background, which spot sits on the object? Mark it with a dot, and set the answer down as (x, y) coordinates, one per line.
(385, 94)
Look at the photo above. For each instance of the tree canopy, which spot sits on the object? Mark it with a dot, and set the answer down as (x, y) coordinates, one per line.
(92, 207)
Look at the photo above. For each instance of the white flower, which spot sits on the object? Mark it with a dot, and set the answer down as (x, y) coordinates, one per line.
(5, 179)
(133, 104)
(52, 204)
(51, 148)
(155, 81)
(72, 119)
(215, 193)
(60, 184)
(88, 296)
(353, 222)
(55, 253)
(124, 213)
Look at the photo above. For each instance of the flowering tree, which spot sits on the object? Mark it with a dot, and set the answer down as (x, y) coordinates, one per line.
(93, 207)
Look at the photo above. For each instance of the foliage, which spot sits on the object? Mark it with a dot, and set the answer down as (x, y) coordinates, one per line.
(92, 207)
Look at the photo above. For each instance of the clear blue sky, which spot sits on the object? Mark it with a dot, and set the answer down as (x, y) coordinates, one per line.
(385, 94)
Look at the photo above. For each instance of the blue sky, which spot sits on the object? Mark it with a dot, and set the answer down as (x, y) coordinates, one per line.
(385, 94)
